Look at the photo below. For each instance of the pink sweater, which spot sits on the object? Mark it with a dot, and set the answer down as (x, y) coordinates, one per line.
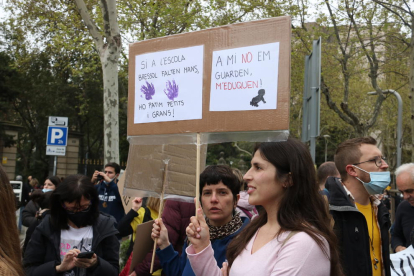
(300, 255)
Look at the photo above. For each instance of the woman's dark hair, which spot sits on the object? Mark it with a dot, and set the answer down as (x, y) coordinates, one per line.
(301, 208)
(72, 189)
(215, 173)
(41, 199)
(55, 180)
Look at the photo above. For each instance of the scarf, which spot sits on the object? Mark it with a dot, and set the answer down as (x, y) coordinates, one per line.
(218, 232)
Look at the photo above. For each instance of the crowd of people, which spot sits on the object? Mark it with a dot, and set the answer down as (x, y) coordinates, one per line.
(282, 217)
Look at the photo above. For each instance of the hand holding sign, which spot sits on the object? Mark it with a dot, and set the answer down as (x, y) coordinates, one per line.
(160, 234)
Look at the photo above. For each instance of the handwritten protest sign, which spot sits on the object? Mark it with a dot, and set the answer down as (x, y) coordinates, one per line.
(245, 78)
(169, 85)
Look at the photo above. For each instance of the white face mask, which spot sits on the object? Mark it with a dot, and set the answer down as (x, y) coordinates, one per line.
(109, 181)
(379, 181)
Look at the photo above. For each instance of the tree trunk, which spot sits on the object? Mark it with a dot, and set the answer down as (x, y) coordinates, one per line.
(109, 60)
(109, 48)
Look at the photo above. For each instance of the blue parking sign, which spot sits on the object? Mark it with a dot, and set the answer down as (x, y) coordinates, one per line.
(57, 136)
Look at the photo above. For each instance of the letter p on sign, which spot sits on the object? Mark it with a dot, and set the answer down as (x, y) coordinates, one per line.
(57, 136)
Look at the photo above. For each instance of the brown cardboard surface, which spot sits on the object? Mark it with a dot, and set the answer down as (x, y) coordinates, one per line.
(146, 168)
(220, 38)
(126, 200)
(143, 243)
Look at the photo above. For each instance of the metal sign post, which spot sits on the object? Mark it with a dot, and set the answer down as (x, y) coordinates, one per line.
(57, 138)
(312, 97)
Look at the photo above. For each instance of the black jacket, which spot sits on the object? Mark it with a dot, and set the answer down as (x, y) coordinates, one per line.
(29, 213)
(42, 253)
(124, 225)
(352, 231)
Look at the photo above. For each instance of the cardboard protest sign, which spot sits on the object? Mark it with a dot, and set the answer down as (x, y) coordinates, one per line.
(146, 170)
(234, 78)
(245, 78)
(402, 262)
(268, 68)
(168, 85)
(143, 243)
(126, 200)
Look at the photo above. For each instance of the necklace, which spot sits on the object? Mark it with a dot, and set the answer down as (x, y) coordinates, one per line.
(375, 261)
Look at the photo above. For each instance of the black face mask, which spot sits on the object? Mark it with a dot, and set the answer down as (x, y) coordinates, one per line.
(80, 219)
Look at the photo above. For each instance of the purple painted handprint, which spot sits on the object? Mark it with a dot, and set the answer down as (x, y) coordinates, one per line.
(148, 90)
(172, 90)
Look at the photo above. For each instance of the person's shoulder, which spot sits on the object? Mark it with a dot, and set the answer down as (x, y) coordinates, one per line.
(105, 222)
(105, 216)
(45, 225)
(404, 204)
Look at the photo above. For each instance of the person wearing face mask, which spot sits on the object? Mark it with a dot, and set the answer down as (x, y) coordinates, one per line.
(41, 199)
(30, 212)
(362, 221)
(74, 226)
(110, 201)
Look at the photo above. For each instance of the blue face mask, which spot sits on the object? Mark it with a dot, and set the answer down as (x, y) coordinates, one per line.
(47, 190)
(379, 181)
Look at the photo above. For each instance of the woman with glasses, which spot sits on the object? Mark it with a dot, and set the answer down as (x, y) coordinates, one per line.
(74, 226)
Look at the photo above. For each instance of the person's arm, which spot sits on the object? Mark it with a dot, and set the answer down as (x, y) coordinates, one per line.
(29, 214)
(124, 225)
(170, 261)
(200, 253)
(203, 263)
(397, 234)
(171, 217)
(34, 262)
(95, 177)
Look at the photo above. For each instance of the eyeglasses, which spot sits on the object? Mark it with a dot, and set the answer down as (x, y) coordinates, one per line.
(377, 159)
(84, 208)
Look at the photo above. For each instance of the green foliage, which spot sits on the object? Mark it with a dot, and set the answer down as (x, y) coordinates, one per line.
(123, 258)
(51, 68)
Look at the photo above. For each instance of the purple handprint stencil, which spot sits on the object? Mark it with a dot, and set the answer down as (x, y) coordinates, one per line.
(148, 90)
(172, 90)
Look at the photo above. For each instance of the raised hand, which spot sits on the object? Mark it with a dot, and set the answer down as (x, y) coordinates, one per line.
(94, 176)
(160, 234)
(197, 231)
(137, 203)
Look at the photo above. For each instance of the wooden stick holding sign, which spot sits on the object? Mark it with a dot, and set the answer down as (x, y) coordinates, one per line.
(198, 174)
(164, 181)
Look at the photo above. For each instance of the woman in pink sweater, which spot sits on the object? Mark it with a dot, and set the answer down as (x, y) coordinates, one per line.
(292, 236)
